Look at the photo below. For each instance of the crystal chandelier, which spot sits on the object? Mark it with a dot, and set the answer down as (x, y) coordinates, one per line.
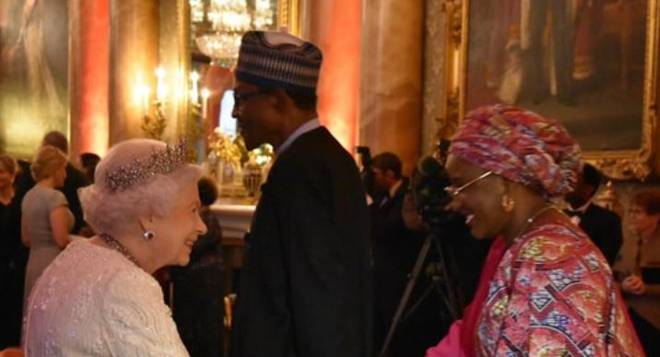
(229, 20)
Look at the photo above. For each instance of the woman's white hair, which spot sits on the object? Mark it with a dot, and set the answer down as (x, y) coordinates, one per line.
(116, 212)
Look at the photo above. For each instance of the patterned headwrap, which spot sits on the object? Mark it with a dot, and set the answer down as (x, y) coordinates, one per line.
(279, 60)
(521, 146)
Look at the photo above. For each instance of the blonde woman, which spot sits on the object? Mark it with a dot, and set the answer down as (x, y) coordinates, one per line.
(46, 219)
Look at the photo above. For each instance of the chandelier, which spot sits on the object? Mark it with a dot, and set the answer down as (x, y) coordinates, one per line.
(223, 24)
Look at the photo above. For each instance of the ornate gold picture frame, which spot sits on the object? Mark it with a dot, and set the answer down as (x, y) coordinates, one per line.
(288, 15)
(591, 64)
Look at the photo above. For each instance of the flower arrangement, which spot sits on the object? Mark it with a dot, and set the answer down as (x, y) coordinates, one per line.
(226, 148)
(229, 161)
(262, 156)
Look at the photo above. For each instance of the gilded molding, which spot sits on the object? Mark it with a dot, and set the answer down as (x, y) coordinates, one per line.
(288, 15)
(634, 164)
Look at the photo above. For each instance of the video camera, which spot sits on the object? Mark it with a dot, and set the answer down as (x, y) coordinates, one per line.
(428, 190)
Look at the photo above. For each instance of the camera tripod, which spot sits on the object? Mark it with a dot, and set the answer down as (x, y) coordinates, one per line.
(439, 277)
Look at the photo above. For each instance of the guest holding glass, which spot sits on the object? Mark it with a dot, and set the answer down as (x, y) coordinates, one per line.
(545, 289)
(99, 298)
(46, 219)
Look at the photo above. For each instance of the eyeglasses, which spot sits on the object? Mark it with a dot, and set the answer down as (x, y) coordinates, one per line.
(240, 98)
(454, 191)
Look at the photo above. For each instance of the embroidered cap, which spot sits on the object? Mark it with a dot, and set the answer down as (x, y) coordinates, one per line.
(278, 60)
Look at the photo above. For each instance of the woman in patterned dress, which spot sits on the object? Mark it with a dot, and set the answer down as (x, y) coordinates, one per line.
(545, 289)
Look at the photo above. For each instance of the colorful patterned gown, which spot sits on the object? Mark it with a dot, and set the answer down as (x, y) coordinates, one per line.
(552, 294)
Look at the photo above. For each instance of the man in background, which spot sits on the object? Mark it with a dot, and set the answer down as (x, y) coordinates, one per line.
(601, 225)
(395, 250)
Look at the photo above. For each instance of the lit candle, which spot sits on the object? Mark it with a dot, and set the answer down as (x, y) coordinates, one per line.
(205, 101)
(161, 89)
(194, 93)
(456, 70)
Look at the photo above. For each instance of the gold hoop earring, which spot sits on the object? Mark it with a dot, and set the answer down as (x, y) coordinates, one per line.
(507, 203)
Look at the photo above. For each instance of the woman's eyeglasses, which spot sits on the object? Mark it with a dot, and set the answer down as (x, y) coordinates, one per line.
(454, 191)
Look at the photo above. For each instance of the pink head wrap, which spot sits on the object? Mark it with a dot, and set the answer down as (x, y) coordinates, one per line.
(521, 146)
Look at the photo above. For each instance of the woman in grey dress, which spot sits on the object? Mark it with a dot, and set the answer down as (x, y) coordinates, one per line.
(46, 218)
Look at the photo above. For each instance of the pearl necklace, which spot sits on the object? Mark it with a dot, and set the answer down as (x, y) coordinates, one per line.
(114, 244)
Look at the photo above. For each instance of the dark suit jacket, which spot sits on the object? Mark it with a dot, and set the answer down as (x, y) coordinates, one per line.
(75, 179)
(305, 286)
(604, 228)
(395, 247)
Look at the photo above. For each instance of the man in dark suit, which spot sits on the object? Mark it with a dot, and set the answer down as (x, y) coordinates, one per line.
(305, 286)
(601, 225)
(395, 249)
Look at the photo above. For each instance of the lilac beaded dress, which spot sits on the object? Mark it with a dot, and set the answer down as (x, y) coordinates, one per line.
(92, 301)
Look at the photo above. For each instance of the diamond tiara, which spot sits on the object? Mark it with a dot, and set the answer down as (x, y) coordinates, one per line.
(160, 162)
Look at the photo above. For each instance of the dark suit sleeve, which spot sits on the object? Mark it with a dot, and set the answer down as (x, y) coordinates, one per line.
(75, 179)
(614, 238)
(324, 240)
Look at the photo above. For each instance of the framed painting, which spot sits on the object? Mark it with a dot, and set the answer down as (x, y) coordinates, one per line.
(34, 59)
(591, 64)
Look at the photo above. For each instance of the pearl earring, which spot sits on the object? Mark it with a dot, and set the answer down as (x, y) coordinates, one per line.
(149, 235)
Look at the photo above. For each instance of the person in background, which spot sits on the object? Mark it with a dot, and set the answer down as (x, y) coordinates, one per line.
(601, 225)
(75, 179)
(88, 162)
(305, 288)
(395, 249)
(545, 288)
(46, 219)
(198, 289)
(641, 284)
(13, 256)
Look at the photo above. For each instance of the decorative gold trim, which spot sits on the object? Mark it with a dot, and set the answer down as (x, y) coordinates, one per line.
(616, 164)
(454, 29)
(288, 15)
(637, 164)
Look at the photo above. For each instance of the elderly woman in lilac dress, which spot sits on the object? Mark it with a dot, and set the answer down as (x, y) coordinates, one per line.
(98, 297)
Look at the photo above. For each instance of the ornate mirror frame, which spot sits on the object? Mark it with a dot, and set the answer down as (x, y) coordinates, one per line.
(637, 163)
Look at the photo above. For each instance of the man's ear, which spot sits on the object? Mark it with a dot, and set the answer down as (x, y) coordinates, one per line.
(282, 101)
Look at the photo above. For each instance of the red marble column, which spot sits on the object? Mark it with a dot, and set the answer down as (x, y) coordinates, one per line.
(335, 26)
(134, 44)
(89, 79)
(391, 92)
